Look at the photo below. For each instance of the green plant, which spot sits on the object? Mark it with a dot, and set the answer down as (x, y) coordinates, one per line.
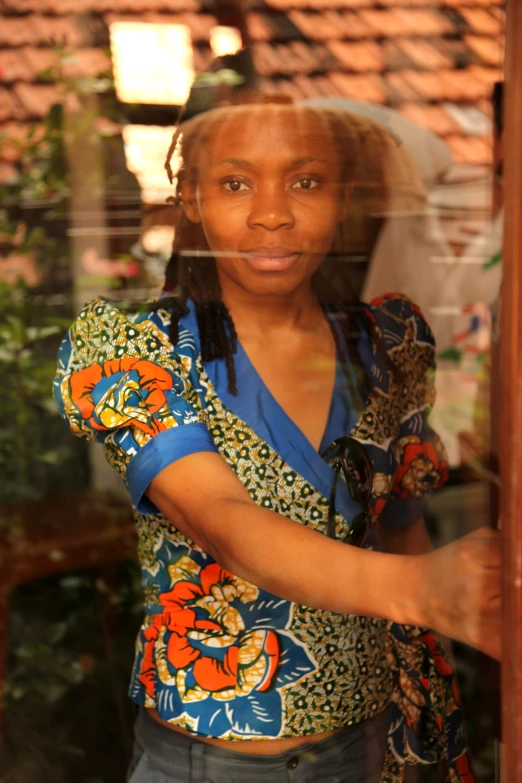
(37, 455)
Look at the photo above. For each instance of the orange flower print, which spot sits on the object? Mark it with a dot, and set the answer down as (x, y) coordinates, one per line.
(420, 469)
(209, 648)
(120, 392)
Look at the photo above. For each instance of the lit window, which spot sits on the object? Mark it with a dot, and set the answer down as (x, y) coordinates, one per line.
(146, 148)
(152, 63)
(225, 40)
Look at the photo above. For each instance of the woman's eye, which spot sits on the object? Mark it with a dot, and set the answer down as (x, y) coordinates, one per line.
(307, 183)
(235, 185)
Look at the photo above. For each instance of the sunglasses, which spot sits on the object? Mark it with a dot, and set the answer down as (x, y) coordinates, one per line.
(347, 456)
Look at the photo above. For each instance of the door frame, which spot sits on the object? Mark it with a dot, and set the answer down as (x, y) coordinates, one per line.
(509, 407)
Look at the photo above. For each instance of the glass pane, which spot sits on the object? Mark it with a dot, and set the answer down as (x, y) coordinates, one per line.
(330, 178)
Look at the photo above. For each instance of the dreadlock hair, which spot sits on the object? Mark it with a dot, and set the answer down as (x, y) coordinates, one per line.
(366, 150)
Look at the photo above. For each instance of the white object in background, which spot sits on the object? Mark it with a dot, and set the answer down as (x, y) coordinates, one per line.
(146, 148)
(152, 63)
(225, 40)
(432, 156)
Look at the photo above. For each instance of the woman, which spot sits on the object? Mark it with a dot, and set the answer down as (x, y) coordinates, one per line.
(271, 649)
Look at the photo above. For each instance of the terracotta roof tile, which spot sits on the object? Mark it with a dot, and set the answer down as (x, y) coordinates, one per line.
(44, 29)
(411, 3)
(60, 7)
(354, 5)
(398, 88)
(498, 13)
(16, 31)
(312, 56)
(472, 3)
(487, 76)
(353, 26)
(330, 25)
(57, 7)
(139, 6)
(13, 67)
(425, 22)
(258, 27)
(38, 59)
(395, 58)
(361, 57)
(365, 88)
(87, 62)
(486, 48)
(465, 86)
(284, 86)
(36, 100)
(308, 87)
(455, 49)
(434, 118)
(279, 59)
(327, 87)
(424, 55)
(265, 59)
(383, 23)
(31, 61)
(480, 21)
(313, 26)
(14, 137)
(443, 85)
(282, 27)
(471, 149)
(324, 61)
(304, 59)
(9, 106)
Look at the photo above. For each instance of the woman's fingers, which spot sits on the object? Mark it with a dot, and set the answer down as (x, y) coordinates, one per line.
(465, 590)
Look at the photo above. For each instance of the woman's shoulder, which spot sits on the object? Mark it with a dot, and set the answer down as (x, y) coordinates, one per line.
(398, 318)
(106, 330)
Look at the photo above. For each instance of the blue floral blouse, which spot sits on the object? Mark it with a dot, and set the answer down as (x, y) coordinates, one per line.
(216, 655)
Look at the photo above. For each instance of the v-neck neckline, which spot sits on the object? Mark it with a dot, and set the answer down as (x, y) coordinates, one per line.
(256, 406)
(245, 358)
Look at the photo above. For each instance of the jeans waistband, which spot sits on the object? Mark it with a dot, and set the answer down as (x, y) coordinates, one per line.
(172, 746)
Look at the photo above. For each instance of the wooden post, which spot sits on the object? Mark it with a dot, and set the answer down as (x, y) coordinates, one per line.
(511, 407)
(88, 230)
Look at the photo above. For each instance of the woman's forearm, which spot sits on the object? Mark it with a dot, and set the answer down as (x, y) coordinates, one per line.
(308, 568)
(301, 565)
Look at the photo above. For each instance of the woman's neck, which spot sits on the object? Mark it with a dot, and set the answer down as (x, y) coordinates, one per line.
(269, 315)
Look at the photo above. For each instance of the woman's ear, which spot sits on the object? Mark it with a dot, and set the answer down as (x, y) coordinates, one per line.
(190, 202)
(346, 197)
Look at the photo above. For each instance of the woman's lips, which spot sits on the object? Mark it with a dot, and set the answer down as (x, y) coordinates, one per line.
(270, 263)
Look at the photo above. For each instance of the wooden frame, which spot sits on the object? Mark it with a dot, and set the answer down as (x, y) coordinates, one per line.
(509, 410)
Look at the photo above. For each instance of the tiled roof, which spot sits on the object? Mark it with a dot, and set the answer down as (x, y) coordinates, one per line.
(422, 57)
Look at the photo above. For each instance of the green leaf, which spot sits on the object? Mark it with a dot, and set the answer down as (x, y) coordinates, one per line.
(493, 261)
(451, 354)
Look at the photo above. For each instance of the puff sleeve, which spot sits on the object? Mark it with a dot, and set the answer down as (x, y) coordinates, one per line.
(417, 457)
(119, 382)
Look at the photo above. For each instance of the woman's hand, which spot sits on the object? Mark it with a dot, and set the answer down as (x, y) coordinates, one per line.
(462, 590)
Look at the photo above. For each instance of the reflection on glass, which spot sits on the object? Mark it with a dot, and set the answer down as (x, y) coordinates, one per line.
(228, 331)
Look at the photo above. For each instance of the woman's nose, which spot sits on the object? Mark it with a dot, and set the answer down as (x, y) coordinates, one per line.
(271, 209)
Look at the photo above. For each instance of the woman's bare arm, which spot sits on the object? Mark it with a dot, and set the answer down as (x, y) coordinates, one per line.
(206, 501)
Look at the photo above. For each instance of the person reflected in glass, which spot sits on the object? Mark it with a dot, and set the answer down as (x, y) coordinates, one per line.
(273, 434)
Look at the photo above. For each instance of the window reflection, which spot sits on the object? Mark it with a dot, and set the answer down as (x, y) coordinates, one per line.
(85, 130)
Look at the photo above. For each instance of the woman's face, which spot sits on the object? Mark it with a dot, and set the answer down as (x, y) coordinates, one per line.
(269, 197)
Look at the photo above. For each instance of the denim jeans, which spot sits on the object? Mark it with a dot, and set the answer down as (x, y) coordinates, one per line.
(353, 755)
